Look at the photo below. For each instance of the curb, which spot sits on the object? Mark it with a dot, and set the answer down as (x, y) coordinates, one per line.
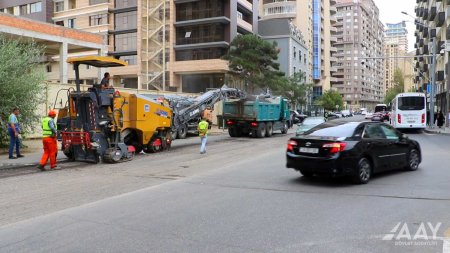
(435, 132)
(10, 166)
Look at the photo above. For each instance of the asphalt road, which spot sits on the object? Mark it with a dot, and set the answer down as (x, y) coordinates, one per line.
(237, 198)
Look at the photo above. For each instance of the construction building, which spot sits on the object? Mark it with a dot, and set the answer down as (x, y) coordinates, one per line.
(201, 34)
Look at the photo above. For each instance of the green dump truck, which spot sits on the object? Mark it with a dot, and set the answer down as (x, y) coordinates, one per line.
(257, 116)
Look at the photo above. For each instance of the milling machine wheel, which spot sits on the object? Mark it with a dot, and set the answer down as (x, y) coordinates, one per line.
(112, 155)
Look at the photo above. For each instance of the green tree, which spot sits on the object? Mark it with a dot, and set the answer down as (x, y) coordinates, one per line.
(254, 60)
(21, 82)
(296, 90)
(330, 99)
(399, 81)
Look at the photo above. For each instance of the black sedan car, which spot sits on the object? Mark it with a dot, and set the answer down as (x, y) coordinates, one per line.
(355, 149)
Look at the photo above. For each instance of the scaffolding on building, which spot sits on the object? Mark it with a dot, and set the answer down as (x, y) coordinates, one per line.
(155, 34)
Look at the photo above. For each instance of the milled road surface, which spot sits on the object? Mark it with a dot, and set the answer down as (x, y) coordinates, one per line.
(237, 198)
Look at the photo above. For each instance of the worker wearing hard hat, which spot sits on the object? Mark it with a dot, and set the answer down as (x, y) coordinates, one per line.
(49, 140)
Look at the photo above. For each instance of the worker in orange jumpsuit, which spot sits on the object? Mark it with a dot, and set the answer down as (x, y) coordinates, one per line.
(49, 140)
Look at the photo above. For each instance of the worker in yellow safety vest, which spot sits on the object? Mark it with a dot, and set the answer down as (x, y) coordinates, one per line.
(49, 141)
(203, 133)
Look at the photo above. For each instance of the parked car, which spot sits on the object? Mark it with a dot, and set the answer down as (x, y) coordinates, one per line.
(347, 113)
(368, 115)
(378, 117)
(309, 123)
(355, 149)
(297, 117)
(339, 114)
(332, 115)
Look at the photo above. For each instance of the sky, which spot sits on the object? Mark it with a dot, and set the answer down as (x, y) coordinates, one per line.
(390, 12)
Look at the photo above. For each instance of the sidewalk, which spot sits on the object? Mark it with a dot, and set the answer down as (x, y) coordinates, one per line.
(32, 154)
(437, 130)
(34, 151)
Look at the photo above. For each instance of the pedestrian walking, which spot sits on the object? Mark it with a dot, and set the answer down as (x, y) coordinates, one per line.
(49, 141)
(203, 133)
(14, 134)
(440, 119)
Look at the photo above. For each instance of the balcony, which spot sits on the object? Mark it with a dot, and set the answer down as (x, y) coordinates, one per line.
(246, 4)
(333, 49)
(333, 19)
(333, 29)
(440, 19)
(333, 59)
(245, 25)
(286, 9)
(333, 10)
(333, 39)
(432, 14)
(334, 69)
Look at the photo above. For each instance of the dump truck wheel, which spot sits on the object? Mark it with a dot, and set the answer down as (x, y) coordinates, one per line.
(285, 128)
(182, 132)
(269, 129)
(232, 132)
(261, 132)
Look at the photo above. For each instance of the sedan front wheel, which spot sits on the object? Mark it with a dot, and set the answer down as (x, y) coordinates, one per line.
(413, 160)
(364, 171)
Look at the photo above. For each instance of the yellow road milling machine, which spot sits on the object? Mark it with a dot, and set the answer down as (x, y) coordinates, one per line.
(108, 125)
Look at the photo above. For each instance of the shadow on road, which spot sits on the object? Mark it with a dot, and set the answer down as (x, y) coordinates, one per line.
(340, 182)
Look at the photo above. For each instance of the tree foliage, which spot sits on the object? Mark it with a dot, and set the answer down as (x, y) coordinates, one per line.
(21, 82)
(399, 81)
(295, 89)
(330, 99)
(254, 60)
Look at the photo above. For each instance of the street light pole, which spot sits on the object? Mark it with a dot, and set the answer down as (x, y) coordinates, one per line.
(433, 74)
(433, 83)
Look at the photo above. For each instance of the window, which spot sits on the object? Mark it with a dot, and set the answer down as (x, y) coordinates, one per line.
(125, 3)
(130, 59)
(100, 19)
(71, 23)
(49, 68)
(36, 7)
(295, 53)
(390, 133)
(23, 9)
(59, 6)
(126, 42)
(92, 2)
(373, 131)
(126, 20)
(295, 70)
(239, 15)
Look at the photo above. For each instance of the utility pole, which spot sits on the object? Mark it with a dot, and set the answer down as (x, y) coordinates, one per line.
(433, 82)
(447, 97)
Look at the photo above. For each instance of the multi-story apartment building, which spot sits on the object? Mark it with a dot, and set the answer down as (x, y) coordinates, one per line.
(395, 49)
(202, 32)
(314, 19)
(38, 10)
(290, 42)
(361, 79)
(432, 29)
(397, 33)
